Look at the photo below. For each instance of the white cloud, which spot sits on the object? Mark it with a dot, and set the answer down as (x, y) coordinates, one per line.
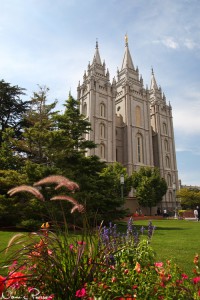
(170, 43)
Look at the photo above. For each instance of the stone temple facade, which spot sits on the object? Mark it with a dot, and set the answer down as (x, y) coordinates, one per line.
(130, 124)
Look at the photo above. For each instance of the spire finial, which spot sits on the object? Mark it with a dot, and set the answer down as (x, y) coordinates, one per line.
(96, 43)
(152, 72)
(126, 39)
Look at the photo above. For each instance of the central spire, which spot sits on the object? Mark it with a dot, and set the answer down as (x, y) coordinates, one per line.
(97, 58)
(127, 60)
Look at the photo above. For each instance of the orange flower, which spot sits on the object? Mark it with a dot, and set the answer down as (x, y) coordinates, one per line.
(196, 259)
(137, 267)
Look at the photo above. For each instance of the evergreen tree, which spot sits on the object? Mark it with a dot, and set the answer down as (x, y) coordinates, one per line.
(12, 108)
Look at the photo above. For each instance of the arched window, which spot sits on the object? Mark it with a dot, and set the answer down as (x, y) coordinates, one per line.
(164, 128)
(102, 110)
(169, 180)
(167, 162)
(102, 151)
(166, 145)
(85, 109)
(102, 130)
(138, 116)
(139, 148)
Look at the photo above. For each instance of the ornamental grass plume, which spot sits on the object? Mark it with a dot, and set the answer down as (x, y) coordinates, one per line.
(26, 188)
(60, 181)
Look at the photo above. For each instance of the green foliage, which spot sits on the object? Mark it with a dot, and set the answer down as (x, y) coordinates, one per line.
(188, 198)
(12, 108)
(149, 186)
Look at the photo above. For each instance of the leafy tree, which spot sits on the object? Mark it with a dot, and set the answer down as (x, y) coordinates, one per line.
(149, 186)
(12, 108)
(189, 198)
(102, 191)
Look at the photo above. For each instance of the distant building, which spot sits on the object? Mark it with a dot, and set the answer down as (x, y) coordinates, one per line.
(130, 124)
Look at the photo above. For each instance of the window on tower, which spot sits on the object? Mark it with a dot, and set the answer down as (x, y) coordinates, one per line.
(169, 181)
(167, 162)
(138, 116)
(164, 128)
(139, 148)
(102, 151)
(85, 109)
(166, 145)
(102, 130)
(102, 110)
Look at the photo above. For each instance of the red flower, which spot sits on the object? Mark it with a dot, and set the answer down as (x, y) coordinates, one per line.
(196, 280)
(81, 293)
(17, 279)
(2, 284)
(114, 279)
(81, 243)
(134, 287)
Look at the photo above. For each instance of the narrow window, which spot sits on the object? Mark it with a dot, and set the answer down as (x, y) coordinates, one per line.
(102, 131)
(167, 162)
(138, 116)
(85, 109)
(102, 151)
(139, 149)
(169, 181)
(166, 145)
(102, 110)
(164, 128)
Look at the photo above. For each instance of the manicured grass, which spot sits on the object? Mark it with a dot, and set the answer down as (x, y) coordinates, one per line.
(177, 240)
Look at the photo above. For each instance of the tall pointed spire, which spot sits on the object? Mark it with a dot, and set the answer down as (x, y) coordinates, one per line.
(153, 85)
(97, 58)
(127, 60)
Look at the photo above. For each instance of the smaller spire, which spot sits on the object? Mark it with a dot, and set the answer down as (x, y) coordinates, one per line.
(153, 81)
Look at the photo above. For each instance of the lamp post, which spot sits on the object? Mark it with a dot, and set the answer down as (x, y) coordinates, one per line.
(174, 190)
(122, 186)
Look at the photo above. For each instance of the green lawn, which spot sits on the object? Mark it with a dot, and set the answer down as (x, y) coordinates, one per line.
(173, 239)
(177, 240)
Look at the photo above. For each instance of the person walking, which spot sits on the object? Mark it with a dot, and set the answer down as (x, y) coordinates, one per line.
(196, 213)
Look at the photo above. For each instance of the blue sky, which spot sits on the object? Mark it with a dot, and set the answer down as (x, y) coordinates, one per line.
(50, 43)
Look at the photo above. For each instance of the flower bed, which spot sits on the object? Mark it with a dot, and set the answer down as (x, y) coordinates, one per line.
(99, 264)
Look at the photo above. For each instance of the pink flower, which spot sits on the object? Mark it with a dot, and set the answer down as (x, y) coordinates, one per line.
(158, 264)
(81, 293)
(196, 280)
(184, 276)
(114, 279)
(71, 246)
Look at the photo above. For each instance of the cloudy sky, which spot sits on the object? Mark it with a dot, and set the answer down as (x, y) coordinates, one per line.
(50, 43)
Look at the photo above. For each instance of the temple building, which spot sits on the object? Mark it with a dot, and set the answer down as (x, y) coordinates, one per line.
(130, 124)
